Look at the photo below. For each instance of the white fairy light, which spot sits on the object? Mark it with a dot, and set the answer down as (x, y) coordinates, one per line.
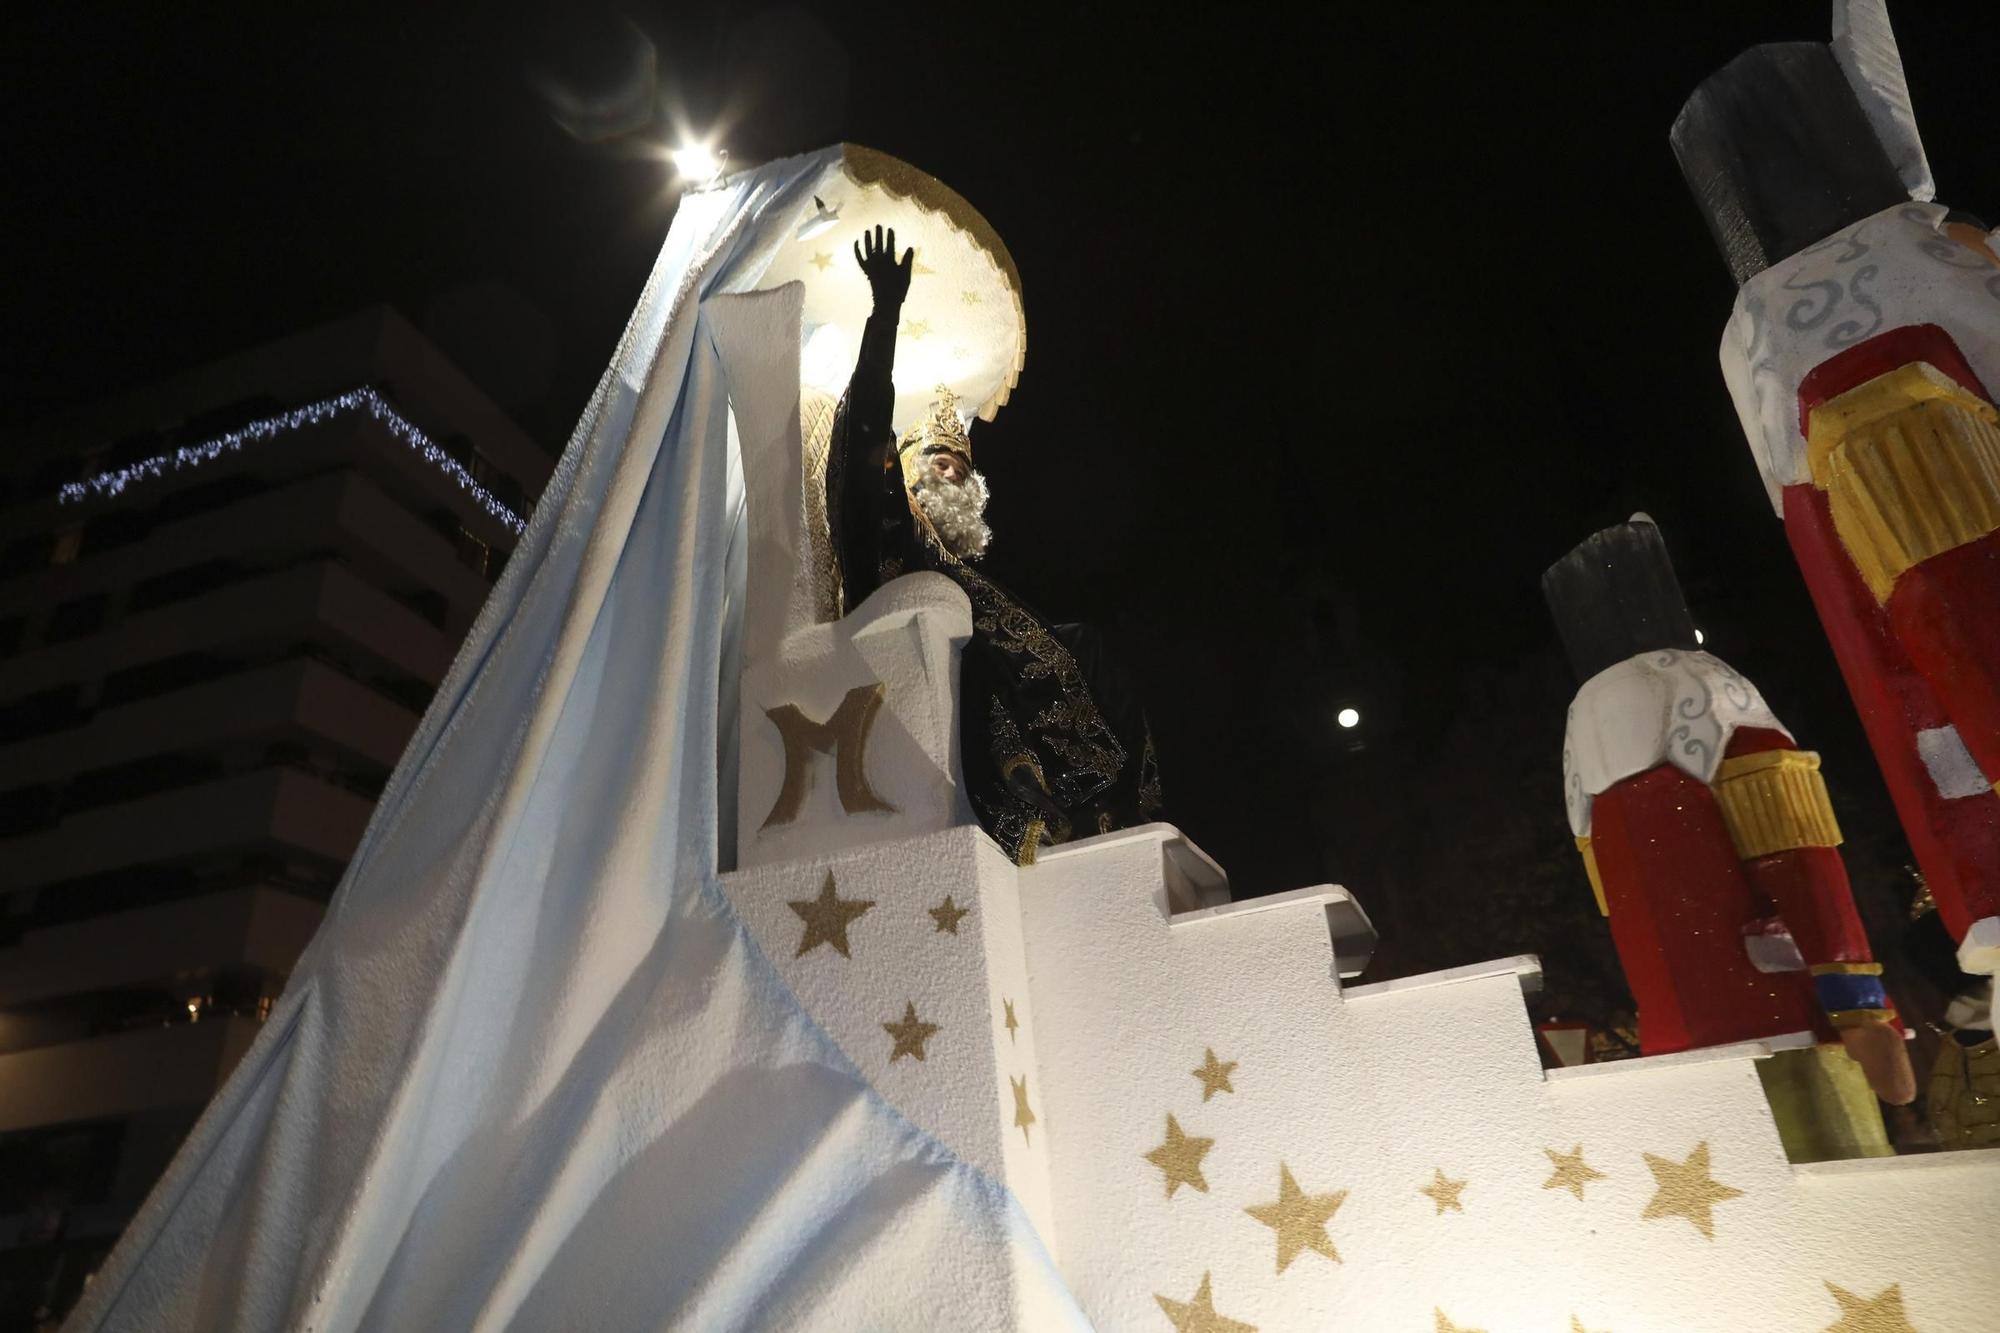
(114, 482)
(1348, 717)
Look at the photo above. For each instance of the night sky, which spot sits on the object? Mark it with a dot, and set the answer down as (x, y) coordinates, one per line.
(1341, 327)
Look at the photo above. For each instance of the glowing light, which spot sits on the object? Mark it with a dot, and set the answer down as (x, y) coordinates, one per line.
(698, 163)
(1699, 637)
(820, 222)
(1348, 717)
(364, 399)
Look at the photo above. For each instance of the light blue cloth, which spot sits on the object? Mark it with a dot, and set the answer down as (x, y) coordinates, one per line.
(532, 1072)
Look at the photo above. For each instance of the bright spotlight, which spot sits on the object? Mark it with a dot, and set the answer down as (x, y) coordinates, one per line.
(1348, 717)
(1699, 637)
(699, 164)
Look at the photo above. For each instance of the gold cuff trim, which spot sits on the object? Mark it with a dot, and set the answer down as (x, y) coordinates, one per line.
(1590, 869)
(1910, 463)
(1856, 1018)
(1846, 969)
(1775, 801)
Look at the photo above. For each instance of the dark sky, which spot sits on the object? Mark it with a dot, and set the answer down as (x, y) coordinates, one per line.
(1337, 321)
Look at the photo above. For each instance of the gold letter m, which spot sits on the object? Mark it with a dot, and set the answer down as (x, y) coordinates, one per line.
(845, 736)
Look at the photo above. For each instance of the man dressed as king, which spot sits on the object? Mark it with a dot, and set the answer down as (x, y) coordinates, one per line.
(1054, 740)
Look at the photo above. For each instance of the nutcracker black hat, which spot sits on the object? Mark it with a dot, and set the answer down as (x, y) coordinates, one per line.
(1779, 153)
(1615, 596)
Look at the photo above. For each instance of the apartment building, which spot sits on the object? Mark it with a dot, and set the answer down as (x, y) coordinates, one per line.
(225, 600)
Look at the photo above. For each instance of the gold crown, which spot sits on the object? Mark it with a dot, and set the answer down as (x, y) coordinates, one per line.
(940, 429)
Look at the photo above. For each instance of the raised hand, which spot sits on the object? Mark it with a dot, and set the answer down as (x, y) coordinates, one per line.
(888, 277)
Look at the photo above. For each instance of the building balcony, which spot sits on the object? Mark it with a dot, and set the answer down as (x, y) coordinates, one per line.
(280, 807)
(281, 700)
(308, 601)
(343, 511)
(256, 928)
(176, 1065)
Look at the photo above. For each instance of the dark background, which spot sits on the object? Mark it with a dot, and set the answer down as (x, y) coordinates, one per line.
(1343, 327)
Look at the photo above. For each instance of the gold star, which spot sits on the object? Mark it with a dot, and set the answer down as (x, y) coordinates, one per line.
(1023, 1117)
(1685, 1189)
(947, 916)
(827, 918)
(1180, 1157)
(970, 298)
(917, 264)
(1881, 1314)
(1576, 1326)
(1012, 1022)
(1199, 1316)
(910, 1034)
(916, 328)
(1214, 1074)
(822, 262)
(1444, 1324)
(1444, 1192)
(1572, 1173)
(1299, 1218)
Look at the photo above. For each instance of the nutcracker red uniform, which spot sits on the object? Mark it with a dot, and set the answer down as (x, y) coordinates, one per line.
(1862, 356)
(1706, 831)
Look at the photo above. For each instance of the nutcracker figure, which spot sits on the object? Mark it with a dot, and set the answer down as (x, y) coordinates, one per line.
(1861, 357)
(1712, 847)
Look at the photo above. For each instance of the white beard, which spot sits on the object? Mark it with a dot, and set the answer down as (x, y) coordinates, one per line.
(957, 512)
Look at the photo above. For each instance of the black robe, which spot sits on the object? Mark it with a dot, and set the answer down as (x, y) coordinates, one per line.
(1054, 743)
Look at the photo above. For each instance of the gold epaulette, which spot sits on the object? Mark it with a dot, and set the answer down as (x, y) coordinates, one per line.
(1910, 463)
(1774, 801)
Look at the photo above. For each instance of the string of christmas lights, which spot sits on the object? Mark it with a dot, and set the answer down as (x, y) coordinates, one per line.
(115, 481)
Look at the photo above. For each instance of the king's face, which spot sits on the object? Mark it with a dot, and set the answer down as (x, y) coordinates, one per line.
(946, 466)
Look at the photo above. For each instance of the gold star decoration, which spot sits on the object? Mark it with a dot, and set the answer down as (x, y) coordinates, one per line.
(910, 1034)
(1444, 1192)
(1571, 1173)
(947, 915)
(917, 264)
(1012, 1022)
(1576, 1326)
(1444, 1325)
(969, 297)
(827, 918)
(1214, 1074)
(1882, 1313)
(1686, 1189)
(1180, 1157)
(1023, 1116)
(915, 329)
(1299, 1219)
(822, 261)
(1199, 1316)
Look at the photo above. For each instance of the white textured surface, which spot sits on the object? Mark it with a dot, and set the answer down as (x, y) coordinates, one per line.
(906, 637)
(1954, 772)
(898, 955)
(1373, 1091)
(1671, 707)
(1894, 268)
